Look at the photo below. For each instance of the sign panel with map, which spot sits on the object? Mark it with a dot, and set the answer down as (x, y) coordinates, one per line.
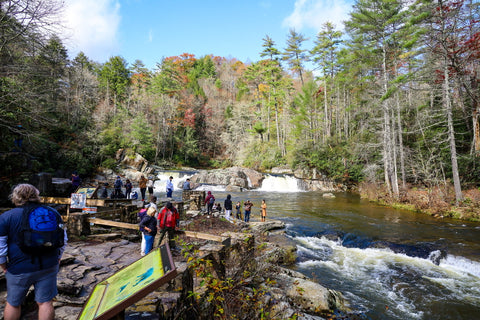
(129, 285)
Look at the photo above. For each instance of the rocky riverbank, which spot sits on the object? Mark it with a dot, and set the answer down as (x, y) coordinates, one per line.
(256, 263)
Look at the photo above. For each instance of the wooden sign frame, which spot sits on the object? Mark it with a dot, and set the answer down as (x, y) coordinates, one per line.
(129, 285)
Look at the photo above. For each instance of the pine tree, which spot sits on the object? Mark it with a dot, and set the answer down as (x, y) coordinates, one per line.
(294, 54)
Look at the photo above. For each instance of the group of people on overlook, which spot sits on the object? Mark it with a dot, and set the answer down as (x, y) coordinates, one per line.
(211, 206)
(144, 184)
(24, 270)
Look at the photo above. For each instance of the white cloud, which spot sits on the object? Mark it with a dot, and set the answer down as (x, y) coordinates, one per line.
(150, 35)
(314, 13)
(92, 27)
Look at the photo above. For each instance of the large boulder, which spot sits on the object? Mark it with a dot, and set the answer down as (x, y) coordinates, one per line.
(308, 295)
(129, 159)
(234, 176)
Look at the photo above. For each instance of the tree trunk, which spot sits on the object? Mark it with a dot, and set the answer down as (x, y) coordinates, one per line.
(451, 134)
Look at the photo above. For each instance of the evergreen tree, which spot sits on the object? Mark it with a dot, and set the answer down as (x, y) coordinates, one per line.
(294, 54)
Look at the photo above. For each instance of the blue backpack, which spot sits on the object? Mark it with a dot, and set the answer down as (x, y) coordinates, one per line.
(42, 230)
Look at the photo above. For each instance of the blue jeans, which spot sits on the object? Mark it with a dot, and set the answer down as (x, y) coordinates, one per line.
(148, 242)
(169, 193)
(247, 216)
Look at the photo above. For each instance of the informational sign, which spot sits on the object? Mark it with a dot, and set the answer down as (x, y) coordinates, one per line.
(89, 192)
(89, 210)
(129, 285)
(78, 200)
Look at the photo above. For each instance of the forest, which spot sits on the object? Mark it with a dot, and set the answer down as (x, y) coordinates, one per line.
(393, 100)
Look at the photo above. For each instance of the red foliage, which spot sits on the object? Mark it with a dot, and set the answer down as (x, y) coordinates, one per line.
(189, 119)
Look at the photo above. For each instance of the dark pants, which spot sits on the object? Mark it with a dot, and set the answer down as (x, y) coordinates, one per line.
(169, 193)
(142, 191)
(170, 236)
(118, 193)
(209, 208)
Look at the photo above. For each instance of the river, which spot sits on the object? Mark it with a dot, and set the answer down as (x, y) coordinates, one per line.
(389, 264)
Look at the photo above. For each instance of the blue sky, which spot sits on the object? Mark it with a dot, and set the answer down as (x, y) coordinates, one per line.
(149, 30)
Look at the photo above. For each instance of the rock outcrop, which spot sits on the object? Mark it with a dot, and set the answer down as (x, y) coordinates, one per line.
(230, 177)
(88, 262)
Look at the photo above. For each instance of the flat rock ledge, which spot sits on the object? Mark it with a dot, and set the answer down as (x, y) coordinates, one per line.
(86, 263)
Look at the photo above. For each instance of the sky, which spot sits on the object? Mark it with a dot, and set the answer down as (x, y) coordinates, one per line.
(150, 30)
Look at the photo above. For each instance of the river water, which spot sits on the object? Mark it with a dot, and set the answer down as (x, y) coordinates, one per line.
(389, 264)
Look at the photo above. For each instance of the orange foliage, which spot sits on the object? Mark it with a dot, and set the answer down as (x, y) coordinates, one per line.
(140, 80)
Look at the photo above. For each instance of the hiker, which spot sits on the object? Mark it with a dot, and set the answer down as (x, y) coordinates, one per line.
(264, 210)
(228, 207)
(248, 208)
(169, 187)
(142, 184)
(238, 207)
(142, 213)
(186, 185)
(150, 186)
(117, 188)
(168, 219)
(128, 188)
(153, 204)
(26, 269)
(149, 225)
(76, 181)
(209, 202)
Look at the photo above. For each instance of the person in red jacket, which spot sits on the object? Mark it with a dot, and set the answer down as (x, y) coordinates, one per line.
(209, 202)
(168, 219)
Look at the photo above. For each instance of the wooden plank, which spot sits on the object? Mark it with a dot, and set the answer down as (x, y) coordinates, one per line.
(191, 234)
(113, 223)
(205, 236)
(89, 203)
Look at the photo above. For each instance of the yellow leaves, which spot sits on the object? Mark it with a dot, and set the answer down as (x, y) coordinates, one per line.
(263, 87)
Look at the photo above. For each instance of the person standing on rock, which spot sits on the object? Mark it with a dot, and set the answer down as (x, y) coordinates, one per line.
(169, 187)
(168, 219)
(149, 227)
(142, 184)
(128, 188)
(150, 186)
(248, 209)
(264, 210)
(23, 269)
(227, 204)
(117, 188)
(238, 207)
(209, 202)
(76, 181)
(153, 204)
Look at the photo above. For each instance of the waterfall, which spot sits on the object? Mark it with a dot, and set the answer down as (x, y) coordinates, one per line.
(179, 178)
(280, 183)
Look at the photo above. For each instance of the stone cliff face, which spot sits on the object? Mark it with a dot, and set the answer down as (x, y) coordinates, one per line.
(283, 293)
(235, 176)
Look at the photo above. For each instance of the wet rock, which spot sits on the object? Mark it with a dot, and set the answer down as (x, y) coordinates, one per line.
(66, 312)
(328, 195)
(263, 227)
(310, 296)
(232, 177)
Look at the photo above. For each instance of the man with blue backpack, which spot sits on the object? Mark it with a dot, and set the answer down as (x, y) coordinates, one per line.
(32, 241)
